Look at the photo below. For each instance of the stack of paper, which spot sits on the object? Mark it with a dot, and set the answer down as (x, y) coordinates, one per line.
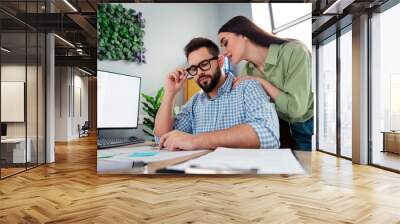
(145, 154)
(272, 161)
(122, 158)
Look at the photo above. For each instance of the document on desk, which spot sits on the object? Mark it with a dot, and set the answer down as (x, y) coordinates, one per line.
(265, 161)
(144, 154)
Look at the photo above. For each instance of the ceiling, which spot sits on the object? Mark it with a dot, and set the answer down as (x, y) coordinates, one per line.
(328, 16)
(72, 20)
(76, 23)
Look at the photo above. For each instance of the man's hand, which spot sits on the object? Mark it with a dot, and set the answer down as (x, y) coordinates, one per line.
(174, 81)
(177, 140)
(164, 119)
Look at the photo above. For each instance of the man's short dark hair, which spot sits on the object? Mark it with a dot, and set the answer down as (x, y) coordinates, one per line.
(199, 42)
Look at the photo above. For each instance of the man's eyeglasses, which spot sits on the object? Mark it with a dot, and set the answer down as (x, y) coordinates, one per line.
(204, 65)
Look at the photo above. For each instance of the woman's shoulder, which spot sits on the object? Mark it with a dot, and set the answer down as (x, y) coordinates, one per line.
(294, 50)
(295, 46)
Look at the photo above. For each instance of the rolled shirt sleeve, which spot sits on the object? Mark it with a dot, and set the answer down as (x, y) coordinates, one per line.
(261, 115)
(288, 67)
(293, 100)
(183, 120)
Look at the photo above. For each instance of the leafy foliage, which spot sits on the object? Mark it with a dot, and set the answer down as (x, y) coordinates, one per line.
(120, 33)
(151, 106)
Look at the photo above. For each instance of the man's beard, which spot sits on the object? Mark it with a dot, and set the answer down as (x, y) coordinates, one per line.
(213, 83)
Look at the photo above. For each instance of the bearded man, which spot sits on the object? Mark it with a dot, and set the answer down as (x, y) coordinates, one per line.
(219, 116)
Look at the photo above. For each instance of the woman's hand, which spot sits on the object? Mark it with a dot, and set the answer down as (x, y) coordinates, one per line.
(238, 80)
(269, 89)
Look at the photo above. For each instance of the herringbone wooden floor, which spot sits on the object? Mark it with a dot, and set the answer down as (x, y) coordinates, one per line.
(70, 191)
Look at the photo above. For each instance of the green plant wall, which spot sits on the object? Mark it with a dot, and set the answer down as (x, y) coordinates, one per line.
(120, 33)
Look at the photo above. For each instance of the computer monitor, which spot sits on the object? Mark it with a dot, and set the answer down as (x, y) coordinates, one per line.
(118, 98)
(3, 129)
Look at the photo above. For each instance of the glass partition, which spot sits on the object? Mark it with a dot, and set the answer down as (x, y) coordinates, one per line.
(14, 152)
(31, 100)
(22, 89)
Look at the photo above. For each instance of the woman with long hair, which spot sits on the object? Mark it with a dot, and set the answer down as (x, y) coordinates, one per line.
(283, 67)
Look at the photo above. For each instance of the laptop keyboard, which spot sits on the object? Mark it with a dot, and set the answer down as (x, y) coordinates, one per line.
(108, 142)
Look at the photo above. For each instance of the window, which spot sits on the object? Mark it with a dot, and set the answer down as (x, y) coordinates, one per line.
(295, 23)
(327, 95)
(346, 92)
(301, 31)
(261, 16)
(293, 11)
(385, 85)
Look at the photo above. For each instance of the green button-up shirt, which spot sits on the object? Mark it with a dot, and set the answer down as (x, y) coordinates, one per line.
(288, 67)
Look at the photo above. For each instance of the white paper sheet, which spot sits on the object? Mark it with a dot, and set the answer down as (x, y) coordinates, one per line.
(122, 154)
(270, 161)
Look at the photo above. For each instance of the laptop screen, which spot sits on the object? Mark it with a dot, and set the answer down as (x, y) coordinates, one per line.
(117, 100)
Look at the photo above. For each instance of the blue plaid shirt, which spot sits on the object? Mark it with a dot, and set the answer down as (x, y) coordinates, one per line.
(247, 103)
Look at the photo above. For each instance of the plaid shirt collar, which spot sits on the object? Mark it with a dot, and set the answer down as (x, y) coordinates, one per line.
(226, 87)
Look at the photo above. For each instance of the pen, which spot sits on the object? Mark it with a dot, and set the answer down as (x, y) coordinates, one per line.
(102, 157)
(159, 148)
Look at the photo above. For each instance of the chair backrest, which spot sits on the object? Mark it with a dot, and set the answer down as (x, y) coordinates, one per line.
(86, 125)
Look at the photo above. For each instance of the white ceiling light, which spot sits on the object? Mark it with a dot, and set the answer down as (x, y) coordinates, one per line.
(5, 50)
(70, 5)
(86, 72)
(64, 40)
(338, 6)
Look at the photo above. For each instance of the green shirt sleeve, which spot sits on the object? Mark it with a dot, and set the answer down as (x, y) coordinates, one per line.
(292, 100)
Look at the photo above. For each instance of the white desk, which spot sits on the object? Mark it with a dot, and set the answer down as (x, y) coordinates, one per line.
(116, 161)
(18, 149)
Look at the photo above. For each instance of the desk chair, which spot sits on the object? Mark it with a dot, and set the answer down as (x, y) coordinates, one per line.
(84, 130)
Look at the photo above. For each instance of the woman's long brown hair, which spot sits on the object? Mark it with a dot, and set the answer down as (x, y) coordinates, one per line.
(243, 26)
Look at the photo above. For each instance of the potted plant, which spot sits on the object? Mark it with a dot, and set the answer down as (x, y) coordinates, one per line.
(150, 106)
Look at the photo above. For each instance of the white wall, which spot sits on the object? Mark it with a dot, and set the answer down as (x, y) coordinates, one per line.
(16, 72)
(261, 16)
(33, 126)
(80, 82)
(227, 12)
(61, 103)
(68, 81)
